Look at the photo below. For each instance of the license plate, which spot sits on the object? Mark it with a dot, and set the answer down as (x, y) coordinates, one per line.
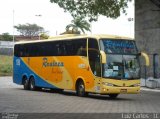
(123, 90)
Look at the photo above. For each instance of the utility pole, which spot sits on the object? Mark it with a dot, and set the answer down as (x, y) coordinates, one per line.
(130, 20)
(13, 29)
(39, 15)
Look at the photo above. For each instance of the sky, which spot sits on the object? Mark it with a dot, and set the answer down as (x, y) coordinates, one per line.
(54, 20)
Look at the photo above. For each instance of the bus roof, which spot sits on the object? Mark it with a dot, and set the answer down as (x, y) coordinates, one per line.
(76, 36)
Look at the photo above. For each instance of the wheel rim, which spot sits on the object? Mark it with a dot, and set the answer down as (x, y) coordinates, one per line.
(81, 89)
(25, 83)
(32, 86)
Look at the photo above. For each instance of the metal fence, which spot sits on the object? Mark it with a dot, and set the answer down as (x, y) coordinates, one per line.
(6, 48)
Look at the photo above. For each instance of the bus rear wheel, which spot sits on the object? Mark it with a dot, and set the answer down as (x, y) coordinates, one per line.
(113, 96)
(80, 89)
(32, 84)
(25, 84)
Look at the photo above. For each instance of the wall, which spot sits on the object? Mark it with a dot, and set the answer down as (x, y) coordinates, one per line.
(147, 33)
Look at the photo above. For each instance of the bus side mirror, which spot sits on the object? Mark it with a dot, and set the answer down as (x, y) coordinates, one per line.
(104, 58)
(146, 57)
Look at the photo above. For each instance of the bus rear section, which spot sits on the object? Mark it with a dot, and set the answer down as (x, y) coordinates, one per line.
(55, 64)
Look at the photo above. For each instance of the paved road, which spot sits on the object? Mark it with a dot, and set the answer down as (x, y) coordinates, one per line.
(14, 99)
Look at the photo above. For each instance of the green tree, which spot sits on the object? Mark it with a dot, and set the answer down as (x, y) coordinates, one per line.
(91, 9)
(6, 37)
(70, 32)
(29, 29)
(44, 36)
(78, 23)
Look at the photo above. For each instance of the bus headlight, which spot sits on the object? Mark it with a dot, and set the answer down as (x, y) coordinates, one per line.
(107, 84)
(136, 85)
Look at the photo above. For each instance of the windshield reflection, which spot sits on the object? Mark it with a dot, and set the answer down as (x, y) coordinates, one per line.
(122, 59)
(122, 67)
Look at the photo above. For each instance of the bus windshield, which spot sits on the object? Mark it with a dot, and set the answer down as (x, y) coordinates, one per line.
(122, 59)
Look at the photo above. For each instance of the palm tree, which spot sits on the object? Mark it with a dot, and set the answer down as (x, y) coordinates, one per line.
(78, 23)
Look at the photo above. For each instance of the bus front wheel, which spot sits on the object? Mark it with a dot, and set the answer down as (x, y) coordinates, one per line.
(113, 96)
(81, 89)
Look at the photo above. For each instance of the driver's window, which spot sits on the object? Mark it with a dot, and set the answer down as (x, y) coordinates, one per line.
(94, 57)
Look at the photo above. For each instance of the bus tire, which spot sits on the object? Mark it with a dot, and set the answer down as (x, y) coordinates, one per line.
(32, 84)
(25, 83)
(113, 96)
(80, 89)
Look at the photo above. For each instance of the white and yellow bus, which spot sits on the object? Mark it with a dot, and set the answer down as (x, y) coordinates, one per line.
(100, 64)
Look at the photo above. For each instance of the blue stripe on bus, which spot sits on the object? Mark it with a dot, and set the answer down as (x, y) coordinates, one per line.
(21, 69)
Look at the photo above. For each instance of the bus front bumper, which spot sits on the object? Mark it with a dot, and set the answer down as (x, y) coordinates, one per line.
(120, 90)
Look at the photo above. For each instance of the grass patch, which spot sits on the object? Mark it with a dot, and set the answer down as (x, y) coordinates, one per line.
(6, 65)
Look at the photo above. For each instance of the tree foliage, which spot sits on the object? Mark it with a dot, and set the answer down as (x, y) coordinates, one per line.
(44, 36)
(6, 37)
(70, 32)
(91, 9)
(78, 23)
(29, 29)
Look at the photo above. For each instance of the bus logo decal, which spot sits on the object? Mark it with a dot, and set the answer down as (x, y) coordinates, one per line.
(51, 64)
(82, 66)
(18, 62)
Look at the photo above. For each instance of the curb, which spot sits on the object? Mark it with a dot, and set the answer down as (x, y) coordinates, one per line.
(149, 89)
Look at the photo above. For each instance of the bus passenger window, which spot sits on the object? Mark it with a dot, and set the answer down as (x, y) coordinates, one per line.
(94, 57)
(81, 51)
(80, 47)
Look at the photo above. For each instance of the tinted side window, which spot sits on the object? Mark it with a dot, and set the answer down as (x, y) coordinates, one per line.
(80, 47)
(21, 50)
(92, 43)
(49, 48)
(68, 47)
(27, 50)
(16, 49)
(94, 57)
(73, 47)
(52, 48)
